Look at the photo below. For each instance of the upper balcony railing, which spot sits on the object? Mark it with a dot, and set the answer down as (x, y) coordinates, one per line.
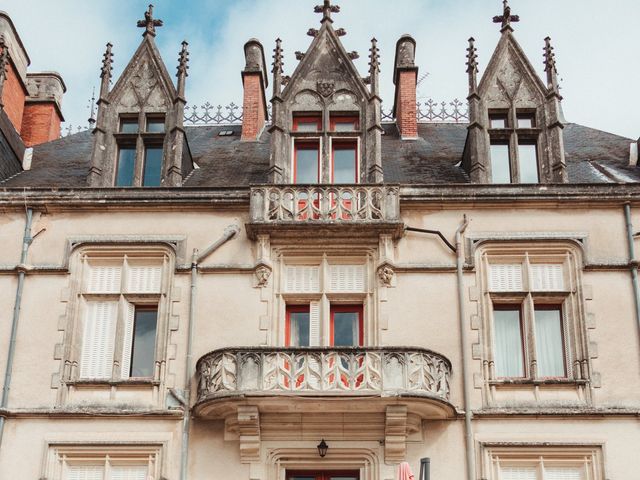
(323, 371)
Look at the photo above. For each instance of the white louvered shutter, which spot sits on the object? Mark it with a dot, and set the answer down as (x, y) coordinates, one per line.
(98, 339)
(104, 279)
(314, 324)
(518, 473)
(129, 318)
(563, 473)
(346, 278)
(129, 472)
(302, 278)
(144, 279)
(505, 277)
(547, 277)
(85, 472)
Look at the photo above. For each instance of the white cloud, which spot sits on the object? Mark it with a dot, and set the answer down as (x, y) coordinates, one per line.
(595, 46)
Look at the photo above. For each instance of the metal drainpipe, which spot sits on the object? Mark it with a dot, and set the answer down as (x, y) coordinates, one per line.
(464, 341)
(229, 232)
(26, 241)
(632, 261)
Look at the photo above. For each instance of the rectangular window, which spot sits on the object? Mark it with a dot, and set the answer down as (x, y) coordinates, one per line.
(307, 123)
(345, 161)
(152, 173)
(126, 166)
(508, 351)
(143, 344)
(344, 123)
(128, 125)
(114, 472)
(346, 325)
(155, 124)
(526, 120)
(549, 341)
(498, 121)
(298, 326)
(327, 475)
(528, 159)
(306, 163)
(500, 163)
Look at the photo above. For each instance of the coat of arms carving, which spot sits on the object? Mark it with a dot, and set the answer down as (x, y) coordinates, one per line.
(326, 88)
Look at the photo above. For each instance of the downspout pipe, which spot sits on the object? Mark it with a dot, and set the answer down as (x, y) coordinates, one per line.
(464, 342)
(632, 261)
(6, 386)
(229, 233)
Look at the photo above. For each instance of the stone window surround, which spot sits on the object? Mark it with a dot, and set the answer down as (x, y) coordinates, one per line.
(571, 299)
(73, 334)
(591, 455)
(60, 454)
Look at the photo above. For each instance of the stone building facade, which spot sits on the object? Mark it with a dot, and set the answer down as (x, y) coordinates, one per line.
(317, 293)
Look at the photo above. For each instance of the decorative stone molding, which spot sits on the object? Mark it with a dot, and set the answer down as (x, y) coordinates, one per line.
(262, 273)
(249, 430)
(395, 434)
(386, 275)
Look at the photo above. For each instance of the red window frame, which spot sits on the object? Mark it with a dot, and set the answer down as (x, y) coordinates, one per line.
(335, 119)
(338, 308)
(287, 324)
(305, 145)
(322, 475)
(336, 145)
(317, 119)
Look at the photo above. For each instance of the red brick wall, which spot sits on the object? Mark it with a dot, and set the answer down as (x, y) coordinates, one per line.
(253, 114)
(40, 123)
(13, 97)
(406, 104)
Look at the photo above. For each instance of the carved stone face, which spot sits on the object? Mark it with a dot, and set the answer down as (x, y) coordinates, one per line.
(385, 274)
(262, 275)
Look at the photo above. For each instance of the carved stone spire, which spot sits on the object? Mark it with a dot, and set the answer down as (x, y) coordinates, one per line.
(472, 65)
(506, 18)
(326, 9)
(277, 68)
(374, 66)
(105, 71)
(550, 66)
(183, 66)
(4, 63)
(149, 23)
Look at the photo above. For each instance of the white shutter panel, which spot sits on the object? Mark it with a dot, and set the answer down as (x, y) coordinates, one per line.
(85, 472)
(547, 277)
(518, 473)
(98, 339)
(346, 278)
(563, 473)
(104, 279)
(314, 324)
(301, 279)
(505, 278)
(129, 472)
(144, 279)
(129, 316)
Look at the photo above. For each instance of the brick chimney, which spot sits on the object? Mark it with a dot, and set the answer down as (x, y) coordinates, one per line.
(254, 80)
(405, 78)
(13, 90)
(42, 108)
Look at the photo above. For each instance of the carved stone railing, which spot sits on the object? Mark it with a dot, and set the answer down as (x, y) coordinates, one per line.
(343, 371)
(325, 204)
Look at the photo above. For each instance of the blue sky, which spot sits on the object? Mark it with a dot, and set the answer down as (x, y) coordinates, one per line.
(596, 47)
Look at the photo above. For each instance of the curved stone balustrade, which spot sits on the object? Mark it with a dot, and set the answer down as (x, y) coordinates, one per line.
(326, 371)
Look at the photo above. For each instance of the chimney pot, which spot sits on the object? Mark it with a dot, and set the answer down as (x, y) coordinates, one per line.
(405, 78)
(255, 82)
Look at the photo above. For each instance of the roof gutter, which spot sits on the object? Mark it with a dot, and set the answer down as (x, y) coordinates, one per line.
(633, 263)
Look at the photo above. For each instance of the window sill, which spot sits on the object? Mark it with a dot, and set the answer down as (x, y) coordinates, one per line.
(131, 382)
(527, 382)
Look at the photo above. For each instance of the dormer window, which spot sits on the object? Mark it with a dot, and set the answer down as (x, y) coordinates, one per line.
(344, 161)
(140, 150)
(306, 162)
(310, 123)
(514, 151)
(344, 123)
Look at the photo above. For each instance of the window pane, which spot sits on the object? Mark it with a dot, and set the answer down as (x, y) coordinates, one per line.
(498, 122)
(299, 329)
(525, 121)
(152, 166)
(144, 343)
(126, 165)
(155, 124)
(508, 343)
(346, 329)
(549, 349)
(500, 170)
(85, 472)
(528, 163)
(129, 125)
(518, 473)
(349, 126)
(344, 164)
(307, 126)
(306, 164)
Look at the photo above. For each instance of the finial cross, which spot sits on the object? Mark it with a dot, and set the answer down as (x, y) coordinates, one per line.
(506, 18)
(326, 9)
(149, 23)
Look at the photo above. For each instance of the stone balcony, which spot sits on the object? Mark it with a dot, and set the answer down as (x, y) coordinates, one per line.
(329, 378)
(337, 209)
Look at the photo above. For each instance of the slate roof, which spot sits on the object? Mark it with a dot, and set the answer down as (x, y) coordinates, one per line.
(593, 156)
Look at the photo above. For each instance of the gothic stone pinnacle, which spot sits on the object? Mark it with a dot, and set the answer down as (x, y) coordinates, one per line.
(149, 23)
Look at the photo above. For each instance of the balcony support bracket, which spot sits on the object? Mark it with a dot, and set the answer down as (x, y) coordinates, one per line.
(249, 430)
(395, 434)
